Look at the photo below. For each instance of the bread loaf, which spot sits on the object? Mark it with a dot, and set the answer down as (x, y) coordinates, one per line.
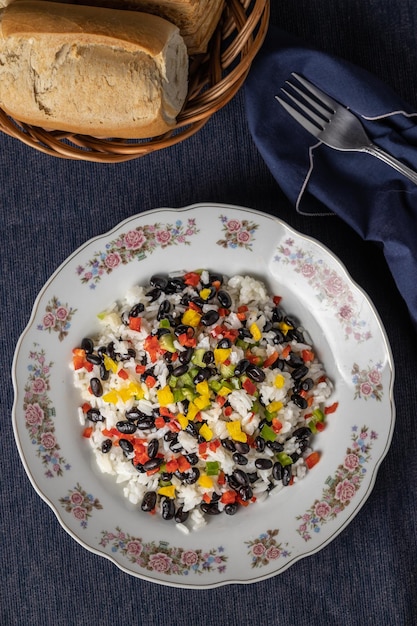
(90, 70)
(196, 19)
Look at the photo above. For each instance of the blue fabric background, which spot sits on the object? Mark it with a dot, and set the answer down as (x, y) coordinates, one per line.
(48, 207)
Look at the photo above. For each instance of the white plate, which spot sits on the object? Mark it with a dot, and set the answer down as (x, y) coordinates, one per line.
(264, 539)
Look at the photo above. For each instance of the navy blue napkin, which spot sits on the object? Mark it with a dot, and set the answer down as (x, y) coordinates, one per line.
(376, 201)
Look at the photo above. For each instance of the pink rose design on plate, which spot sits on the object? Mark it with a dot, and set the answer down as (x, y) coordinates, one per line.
(34, 415)
(308, 270)
(345, 491)
(79, 513)
(134, 239)
(77, 498)
(233, 225)
(61, 313)
(322, 509)
(351, 462)
(273, 553)
(258, 549)
(243, 236)
(334, 286)
(163, 237)
(375, 377)
(112, 260)
(38, 385)
(189, 557)
(48, 320)
(160, 562)
(366, 389)
(134, 548)
(48, 441)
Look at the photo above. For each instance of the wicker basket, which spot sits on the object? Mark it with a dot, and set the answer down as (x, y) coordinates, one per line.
(214, 79)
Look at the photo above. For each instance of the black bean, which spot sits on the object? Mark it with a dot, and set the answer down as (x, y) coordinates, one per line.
(279, 364)
(180, 370)
(181, 516)
(302, 433)
(211, 294)
(307, 384)
(263, 464)
(174, 285)
(229, 444)
(294, 360)
(126, 446)
(170, 435)
(224, 299)
(192, 458)
(253, 477)
(110, 351)
(146, 422)
(210, 508)
(242, 447)
(152, 463)
(153, 447)
(277, 314)
(94, 415)
(87, 345)
(136, 310)
(278, 336)
(276, 446)
(182, 329)
(168, 509)
(267, 327)
(166, 476)
(216, 278)
(231, 508)
(192, 476)
(208, 357)
(299, 401)
(104, 373)
(175, 446)
(163, 309)
(106, 446)
(153, 294)
(96, 387)
(148, 501)
(126, 427)
(95, 359)
(224, 343)
(191, 429)
(260, 443)
(255, 373)
(158, 280)
(241, 477)
(277, 471)
(203, 374)
(286, 475)
(240, 459)
(133, 414)
(233, 482)
(184, 357)
(162, 331)
(246, 493)
(210, 317)
(299, 372)
(296, 334)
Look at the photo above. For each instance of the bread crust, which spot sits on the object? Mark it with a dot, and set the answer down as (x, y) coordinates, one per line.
(90, 70)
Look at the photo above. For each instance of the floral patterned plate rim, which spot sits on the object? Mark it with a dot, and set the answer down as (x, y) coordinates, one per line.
(262, 540)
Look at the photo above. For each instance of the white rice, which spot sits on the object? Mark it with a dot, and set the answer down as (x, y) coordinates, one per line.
(243, 409)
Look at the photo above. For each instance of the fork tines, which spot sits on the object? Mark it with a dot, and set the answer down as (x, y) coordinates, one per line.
(309, 101)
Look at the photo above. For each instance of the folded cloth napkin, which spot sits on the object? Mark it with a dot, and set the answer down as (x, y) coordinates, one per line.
(376, 201)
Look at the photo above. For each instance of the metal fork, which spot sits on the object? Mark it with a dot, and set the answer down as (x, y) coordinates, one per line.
(332, 123)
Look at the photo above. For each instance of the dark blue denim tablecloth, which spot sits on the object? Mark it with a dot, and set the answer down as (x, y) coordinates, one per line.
(48, 207)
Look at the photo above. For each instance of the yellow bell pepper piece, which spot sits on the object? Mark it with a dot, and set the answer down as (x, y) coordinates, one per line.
(205, 481)
(221, 355)
(191, 318)
(275, 406)
(182, 420)
(109, 364)
(165, 396)
(224, 391)
(285, 327)
(168, 491)
(202, 402)
(111, 397)
(203, 388)
(192, 411)
(255, 332)
(235, 431)
(279, 381)
(205, 293)
(206, 432)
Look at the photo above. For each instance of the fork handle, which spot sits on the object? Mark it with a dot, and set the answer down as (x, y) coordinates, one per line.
(392, 161)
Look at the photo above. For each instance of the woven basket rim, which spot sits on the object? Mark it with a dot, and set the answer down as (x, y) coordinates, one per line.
(214, 79)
